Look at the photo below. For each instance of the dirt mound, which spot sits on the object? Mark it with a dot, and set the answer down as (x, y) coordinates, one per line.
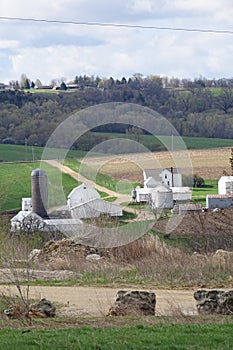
(212, 229)
(64, 248)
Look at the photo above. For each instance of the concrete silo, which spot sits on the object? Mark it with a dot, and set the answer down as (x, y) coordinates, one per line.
(39, 192)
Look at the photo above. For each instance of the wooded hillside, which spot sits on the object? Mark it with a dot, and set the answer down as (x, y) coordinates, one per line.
(198, 108)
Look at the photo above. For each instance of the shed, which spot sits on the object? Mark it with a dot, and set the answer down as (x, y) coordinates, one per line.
(225, 185)
(95, 208)
(219, 201)
(189, 208)
(27, 220)
(143, 194)
(26, 204)
(181, 194)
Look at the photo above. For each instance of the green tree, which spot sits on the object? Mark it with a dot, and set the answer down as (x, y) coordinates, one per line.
(63, 86)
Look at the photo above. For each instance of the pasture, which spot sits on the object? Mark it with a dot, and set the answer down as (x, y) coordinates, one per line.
(160, 335)
(15, 179)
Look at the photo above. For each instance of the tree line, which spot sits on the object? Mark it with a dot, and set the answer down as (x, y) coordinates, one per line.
(196, 108)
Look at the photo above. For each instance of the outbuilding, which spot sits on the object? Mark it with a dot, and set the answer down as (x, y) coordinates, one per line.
(225, 185)
(219, 201)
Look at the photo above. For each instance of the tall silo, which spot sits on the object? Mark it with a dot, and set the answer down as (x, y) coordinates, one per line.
(39, 192)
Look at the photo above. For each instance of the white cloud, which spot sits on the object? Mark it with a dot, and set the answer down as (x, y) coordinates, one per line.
(8, 44)
(47, 51)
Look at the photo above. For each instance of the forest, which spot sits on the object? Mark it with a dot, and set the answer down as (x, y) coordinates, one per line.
(203, 108)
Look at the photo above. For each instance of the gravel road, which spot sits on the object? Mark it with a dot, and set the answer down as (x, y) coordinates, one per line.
(96, 301)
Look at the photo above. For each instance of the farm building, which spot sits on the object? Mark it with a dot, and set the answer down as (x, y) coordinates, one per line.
(189, 208)
(181, 194)
(150, 182)
(85, 202)
(219, 201)
(26, 204)
(158, 197)
(30, 221)
(142, 194)
(225, 185)
(168, 176)
(161, 197)
(27, 220)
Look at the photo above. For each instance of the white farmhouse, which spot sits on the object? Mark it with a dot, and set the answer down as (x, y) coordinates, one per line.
(167, 176)
(225, 185)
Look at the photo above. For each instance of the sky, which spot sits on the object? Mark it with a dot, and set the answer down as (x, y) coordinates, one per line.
(46, 51)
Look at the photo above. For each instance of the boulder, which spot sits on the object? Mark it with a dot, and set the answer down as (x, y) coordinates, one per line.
(134, 302)
(44, 308)
(214, 301)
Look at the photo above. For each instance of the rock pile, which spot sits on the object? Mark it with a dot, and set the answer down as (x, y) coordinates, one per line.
(43, 309)
(214, 301)
(134, 302)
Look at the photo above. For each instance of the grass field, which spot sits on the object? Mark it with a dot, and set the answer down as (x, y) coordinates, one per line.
(17, 153)
(15, 179)
(160, 336)
(12, 153)
(154, 144)
(199, 194)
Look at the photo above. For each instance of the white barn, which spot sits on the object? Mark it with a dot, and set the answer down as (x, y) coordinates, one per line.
(225, 185)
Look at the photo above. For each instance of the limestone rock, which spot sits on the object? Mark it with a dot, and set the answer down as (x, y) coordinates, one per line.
(134, 302)
(214, 301)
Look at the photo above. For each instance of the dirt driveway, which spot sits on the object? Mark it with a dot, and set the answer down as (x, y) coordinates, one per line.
(96, 301)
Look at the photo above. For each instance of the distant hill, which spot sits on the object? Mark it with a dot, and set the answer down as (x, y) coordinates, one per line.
(30, 116)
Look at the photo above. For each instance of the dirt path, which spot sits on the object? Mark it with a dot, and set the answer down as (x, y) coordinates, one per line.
(121, 198)
(96, 301)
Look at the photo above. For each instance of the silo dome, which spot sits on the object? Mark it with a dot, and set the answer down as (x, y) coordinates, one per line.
(38, 172)
(39, 192)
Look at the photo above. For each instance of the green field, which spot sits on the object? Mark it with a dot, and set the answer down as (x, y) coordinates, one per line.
(199, 194)
(13, 153)
(159, 336)
(15, 179)
(154, 144)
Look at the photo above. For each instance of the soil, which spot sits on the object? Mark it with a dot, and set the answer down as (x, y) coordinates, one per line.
(207, 163)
